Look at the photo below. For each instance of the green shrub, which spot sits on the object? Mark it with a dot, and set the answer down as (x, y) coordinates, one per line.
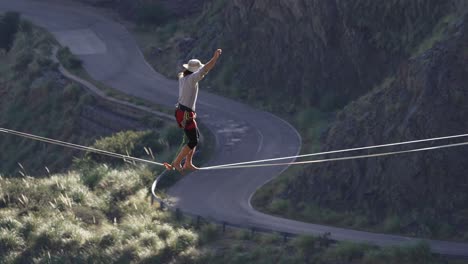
(174, 135)
(132, 143)
(72, 92)
(68, 59)
(209, 233)
(419, 253)
(279, 206)
(346, 252)
(60, 234)
(9, 223)
(360, 221)
(91, 177)
(243, 234)
(23, 58)
(392, 224)
(268, 239)
(89, 215)
(305, 244)
(127, 254)
(164, 233)
(184, 241)
(10, 241)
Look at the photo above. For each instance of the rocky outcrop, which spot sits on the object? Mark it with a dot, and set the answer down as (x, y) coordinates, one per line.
(427, 98)
(314, 53)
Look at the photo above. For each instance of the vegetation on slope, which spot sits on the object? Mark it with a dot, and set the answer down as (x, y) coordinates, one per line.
(64, 218)
(340, 51)
(36, 99)
(421, 194)
(101, 213)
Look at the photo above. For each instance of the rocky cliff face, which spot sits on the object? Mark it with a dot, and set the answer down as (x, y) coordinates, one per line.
(314, 53)
(427, 98)
(288, 55)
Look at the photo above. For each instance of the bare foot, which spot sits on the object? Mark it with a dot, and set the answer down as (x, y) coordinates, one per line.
(168, 166)
(173, 167)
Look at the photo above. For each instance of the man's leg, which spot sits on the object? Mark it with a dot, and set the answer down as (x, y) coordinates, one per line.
(192, 135)
(188, 162)
(177, 162)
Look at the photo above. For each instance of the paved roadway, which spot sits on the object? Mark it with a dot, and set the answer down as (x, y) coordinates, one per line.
(111, 55)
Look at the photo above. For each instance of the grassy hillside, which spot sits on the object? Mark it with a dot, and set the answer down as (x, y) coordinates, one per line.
(65, 218)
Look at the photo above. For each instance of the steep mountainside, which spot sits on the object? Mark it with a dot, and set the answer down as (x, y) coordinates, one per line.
(290, 55)
(427, 98)
(35, 98)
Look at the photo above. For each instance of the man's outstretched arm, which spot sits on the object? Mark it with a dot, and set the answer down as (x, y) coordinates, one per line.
(210, 64)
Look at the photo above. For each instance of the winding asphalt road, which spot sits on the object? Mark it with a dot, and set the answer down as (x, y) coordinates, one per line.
(111, 55)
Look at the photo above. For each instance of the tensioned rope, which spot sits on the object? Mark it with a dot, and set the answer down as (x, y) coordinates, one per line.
(341, 158)
(245, 165)
(75, 146)
(335, 151)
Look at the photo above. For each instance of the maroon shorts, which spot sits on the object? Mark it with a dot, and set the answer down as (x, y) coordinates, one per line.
(185, 119)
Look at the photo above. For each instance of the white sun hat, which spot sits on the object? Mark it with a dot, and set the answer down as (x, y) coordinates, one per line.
(193, 65)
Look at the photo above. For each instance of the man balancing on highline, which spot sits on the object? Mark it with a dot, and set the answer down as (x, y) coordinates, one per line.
(185, 112)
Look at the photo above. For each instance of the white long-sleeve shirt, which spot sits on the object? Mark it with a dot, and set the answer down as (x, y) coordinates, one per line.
(188, 88)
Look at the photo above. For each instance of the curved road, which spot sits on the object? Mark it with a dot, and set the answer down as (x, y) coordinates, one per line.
(242, 133)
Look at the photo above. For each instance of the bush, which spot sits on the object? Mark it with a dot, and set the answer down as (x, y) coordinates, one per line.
(23, 58)
(243, 234)
(279, 206)
(132, 143)
(10, 241)
(71, 92)
(68, 59)
(91, 177)
(174, 135)
(267, 239)
(410, 254)
(392, 224)
(304, 244)
(184, 241)
(346, 252)
(89, 215)
(9, 223)
(209, 233)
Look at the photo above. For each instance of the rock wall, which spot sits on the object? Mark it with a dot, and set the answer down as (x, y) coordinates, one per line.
(314, 53)
(427, 98)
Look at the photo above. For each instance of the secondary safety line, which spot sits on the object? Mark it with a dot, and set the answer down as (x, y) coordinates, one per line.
(244, 165)
(78, 147)
(338, 159)
(335, 151)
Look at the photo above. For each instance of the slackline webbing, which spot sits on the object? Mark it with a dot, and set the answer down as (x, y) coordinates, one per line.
(75, 146)
(249, 164)
(337, 151)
